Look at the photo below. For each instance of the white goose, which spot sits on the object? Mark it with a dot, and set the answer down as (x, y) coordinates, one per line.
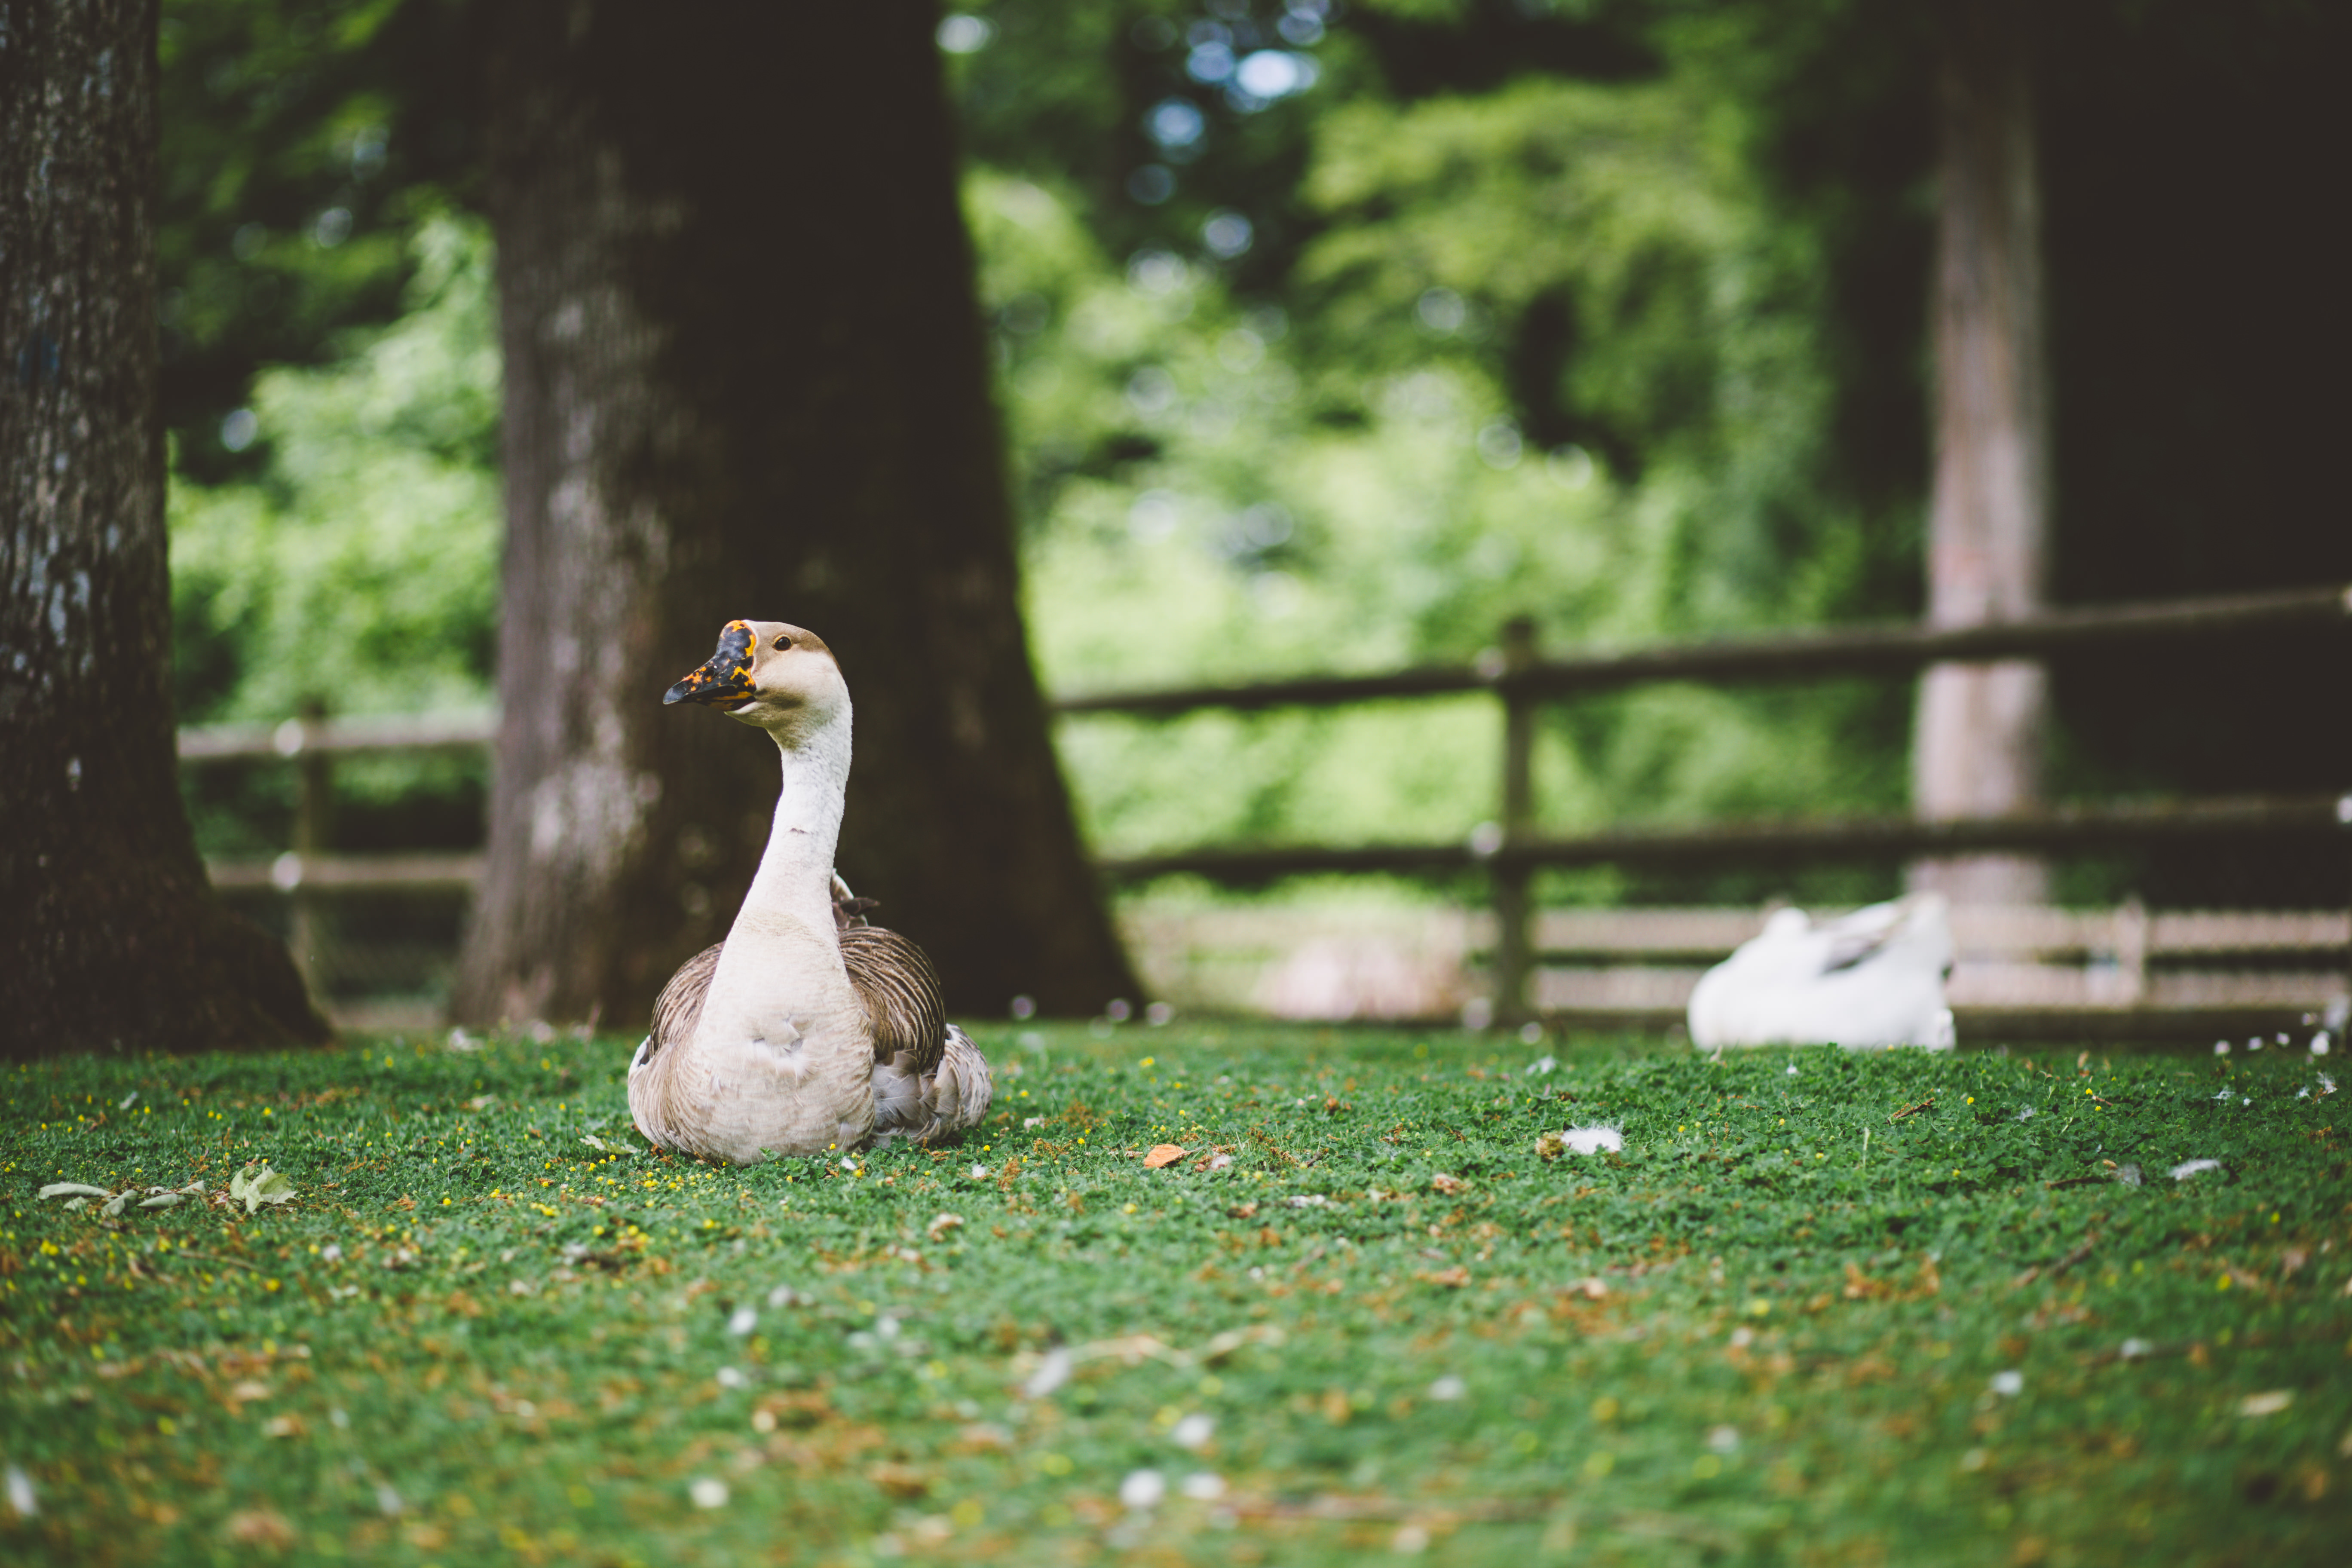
(806, 1030)
(1875, 977)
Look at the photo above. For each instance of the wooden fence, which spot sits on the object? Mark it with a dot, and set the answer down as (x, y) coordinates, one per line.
(2034, 974)
(1513, 847)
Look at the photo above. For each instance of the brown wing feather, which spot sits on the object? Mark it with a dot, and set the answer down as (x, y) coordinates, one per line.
(901, 993)
(679, 1006)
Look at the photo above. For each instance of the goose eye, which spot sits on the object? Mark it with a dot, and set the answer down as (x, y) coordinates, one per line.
(781, 642)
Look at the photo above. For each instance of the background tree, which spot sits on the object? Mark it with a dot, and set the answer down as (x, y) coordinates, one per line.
(745, 376)
(1983, 728)
(112, 939)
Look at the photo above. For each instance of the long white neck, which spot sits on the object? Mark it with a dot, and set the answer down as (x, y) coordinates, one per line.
(796, 875)
(781, 1058)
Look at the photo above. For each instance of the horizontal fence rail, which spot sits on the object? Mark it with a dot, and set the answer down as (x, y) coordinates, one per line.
(2317, 818)
(2313, 817)
(1837, 651)
(395, 873)
(1509, 851)
(1858, 651)
(2030, 972)
(339, 737)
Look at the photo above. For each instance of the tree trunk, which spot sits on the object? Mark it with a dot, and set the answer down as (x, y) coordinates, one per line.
(1981, 727)
(746, 378)
(111, 938)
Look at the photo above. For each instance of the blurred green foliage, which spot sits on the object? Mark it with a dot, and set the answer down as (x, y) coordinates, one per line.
(1329, 337)
(360, 567)
(303, 141)
(1374, 466)
(1273, 513)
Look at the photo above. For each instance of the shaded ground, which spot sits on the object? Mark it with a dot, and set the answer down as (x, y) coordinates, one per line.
(1822, 1308)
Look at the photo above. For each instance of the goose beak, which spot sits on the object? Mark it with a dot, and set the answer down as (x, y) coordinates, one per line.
(725, 679)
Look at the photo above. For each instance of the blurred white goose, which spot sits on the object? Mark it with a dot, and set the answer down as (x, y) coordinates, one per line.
(1875, 977)
(806, 1030)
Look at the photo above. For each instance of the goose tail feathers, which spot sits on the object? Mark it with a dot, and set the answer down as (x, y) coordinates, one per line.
(964, 1086)
(934, 1106)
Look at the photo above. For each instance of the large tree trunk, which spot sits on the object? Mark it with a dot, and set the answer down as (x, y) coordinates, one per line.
(745, 377)
(110, 937)
(1979, 748)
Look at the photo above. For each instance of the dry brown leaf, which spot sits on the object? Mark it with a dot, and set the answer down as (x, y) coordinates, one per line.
(982, 1437)
(260, 1527)
(1162, 1154)
(1242, 1210)
(807, 1409)
(1453, 1278)
(899, 1481)
(1445, 1184)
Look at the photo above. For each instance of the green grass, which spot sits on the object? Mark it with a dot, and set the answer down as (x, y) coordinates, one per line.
(1768, 1331)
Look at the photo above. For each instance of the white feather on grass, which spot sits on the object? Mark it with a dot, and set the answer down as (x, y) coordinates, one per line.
(1592, 1140)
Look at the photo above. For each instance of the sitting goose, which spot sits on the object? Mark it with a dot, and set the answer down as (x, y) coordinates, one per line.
(807, 1030)
(1875, 977)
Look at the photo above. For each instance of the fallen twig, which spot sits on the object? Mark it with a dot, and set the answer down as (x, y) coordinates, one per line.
(2140, 1350)
(1354, 1508)
(1047, 1372)
(2064, 1264)
(2075, 1257)
(213, 1258)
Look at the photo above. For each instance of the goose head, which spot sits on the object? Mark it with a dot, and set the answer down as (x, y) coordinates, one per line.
(779, 678)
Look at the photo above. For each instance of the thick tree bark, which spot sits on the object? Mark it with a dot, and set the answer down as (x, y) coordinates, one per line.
(745, 377)
(110, 937)
(1980, 728)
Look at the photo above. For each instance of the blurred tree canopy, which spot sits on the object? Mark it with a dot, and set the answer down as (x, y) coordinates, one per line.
(304, 141)
(1330, 334)
(372, 529)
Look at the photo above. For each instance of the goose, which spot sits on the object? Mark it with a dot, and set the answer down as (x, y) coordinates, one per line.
(1875, 977)
(808, 1030)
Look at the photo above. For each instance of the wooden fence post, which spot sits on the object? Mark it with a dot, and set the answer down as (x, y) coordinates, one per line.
(1513, 957)
(314, 808)
(2339, 1015)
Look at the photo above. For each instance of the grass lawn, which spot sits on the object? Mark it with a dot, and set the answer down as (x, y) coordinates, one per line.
(1821, 1307)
